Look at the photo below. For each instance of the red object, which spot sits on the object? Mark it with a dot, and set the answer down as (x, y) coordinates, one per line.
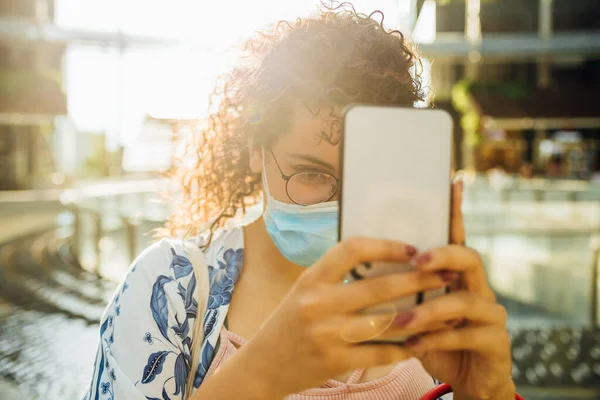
(443, 389)
(437, 391)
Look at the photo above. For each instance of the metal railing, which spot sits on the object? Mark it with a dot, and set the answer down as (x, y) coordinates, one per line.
(79, 202)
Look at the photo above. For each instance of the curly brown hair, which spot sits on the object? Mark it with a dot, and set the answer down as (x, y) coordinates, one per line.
(331, 59)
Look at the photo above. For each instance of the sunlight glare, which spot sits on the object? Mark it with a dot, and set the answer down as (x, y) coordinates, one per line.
(425, 28)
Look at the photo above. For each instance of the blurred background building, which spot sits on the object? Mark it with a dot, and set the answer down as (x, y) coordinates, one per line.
(522, 74)
(92, 94)
(31, 97)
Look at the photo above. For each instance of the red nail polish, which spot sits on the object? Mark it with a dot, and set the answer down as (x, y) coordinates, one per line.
(421, 259)
(410, 251)
(448, 276)
(412, 341)
(402, 320)
(460, 323)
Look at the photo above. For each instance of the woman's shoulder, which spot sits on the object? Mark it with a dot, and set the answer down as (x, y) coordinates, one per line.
(232, 236)
(164, 270)
(221, 241)
(163, 257)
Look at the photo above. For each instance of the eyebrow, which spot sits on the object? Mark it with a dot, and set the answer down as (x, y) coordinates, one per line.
(313, 160)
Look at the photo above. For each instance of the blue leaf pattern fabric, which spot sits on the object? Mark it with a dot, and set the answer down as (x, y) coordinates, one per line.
(146, 333)
(181, 330)
(158, 304)
(165, 396)
(181, 374)
(223, 277)
(210, 320)
(181, 265)
(154, 366)
(189, 292)
(207, 355)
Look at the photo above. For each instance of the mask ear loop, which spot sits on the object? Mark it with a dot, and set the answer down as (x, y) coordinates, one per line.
(264, 173)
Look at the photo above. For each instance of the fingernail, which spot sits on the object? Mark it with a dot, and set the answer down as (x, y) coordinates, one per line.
(460, 323)
(410, 251)
(448, 276)
(403, 319)
(412, 341)
(457, 323)
(421, 259)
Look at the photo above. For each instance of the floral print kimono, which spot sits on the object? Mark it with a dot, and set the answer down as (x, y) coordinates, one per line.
(146, 331)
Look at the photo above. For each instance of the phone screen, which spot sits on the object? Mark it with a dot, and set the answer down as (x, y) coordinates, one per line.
(396, 166)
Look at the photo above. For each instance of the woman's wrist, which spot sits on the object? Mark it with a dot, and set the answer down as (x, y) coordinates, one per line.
(265, 376)
(244, 375)
(508, 392)
(505, 392)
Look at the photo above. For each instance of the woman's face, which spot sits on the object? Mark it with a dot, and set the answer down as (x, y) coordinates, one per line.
(311, 146)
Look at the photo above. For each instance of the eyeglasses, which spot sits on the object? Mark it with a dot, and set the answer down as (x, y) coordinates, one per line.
(310, 187)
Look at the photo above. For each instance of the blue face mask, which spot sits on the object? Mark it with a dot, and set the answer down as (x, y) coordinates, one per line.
(301, 233)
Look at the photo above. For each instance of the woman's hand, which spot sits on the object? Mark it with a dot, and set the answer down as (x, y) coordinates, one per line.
(473, 356)
(305, 340)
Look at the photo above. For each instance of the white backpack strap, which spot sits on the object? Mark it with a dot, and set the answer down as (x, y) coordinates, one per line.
(202, 284)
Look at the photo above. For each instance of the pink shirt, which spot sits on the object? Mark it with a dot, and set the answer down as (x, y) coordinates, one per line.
(407, 381)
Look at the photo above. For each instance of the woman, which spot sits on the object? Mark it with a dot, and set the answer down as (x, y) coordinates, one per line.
(277, 306)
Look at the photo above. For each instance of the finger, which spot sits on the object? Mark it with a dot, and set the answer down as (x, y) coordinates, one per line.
(443, 310)
(382, 289)
(458, 259)
(457, 306)
(457, 226)
(347, 254)
(453, 257)
(490, 339)
(399, 334)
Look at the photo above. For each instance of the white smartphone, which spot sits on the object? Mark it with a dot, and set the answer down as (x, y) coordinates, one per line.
(396, 183)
